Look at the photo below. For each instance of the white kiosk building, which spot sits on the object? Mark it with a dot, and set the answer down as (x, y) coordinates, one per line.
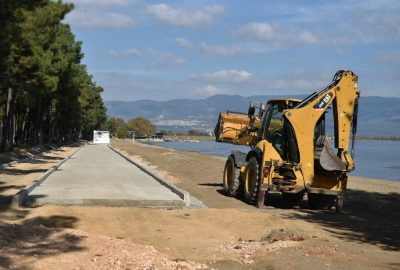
(101, 136)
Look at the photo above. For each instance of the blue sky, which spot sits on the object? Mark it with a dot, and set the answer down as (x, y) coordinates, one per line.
(164, 50)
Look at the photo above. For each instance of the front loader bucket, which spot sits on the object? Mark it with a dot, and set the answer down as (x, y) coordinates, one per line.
(229, 126)
(232, 127)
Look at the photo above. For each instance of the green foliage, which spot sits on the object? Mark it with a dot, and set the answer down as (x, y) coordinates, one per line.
(122, 132)
(166, 132)
(194, 132)
(46, 93)
(141, 126)
(112, 124)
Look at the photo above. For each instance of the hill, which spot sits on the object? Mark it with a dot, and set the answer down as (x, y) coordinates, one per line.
(378, 116)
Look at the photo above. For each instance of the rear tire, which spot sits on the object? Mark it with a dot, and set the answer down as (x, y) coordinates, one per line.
(231, 178)
(252, 180)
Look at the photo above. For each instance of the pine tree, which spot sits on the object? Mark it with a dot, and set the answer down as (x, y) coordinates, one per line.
(47, 96)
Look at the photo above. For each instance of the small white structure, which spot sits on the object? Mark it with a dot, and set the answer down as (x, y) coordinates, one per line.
(101, 136)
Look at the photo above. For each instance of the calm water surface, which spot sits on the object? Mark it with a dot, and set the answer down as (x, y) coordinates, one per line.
(374, 159)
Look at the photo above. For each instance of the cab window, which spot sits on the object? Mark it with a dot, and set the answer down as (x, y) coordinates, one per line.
(264, 122)
(273, 126)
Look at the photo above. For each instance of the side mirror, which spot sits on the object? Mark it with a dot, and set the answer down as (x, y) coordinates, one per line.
(252, 110)
(261, 111)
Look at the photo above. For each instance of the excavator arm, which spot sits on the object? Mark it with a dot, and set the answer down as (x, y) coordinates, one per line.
(290, 150)
(342, 95)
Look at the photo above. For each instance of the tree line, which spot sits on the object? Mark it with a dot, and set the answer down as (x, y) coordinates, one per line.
(140, 126)
(120, 129)
(46, 93)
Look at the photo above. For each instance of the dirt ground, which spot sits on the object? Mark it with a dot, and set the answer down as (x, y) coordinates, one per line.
(229, 234)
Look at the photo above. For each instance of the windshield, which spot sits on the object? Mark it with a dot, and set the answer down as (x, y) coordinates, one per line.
(261, 131)
(272, 126)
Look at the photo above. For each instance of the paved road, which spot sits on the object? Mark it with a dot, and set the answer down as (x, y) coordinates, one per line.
(96, 175)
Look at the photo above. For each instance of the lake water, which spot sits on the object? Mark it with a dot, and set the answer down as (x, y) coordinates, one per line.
(374, 159)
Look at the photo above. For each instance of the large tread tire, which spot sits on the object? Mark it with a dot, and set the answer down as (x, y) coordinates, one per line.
(231, 178)
(252, 180)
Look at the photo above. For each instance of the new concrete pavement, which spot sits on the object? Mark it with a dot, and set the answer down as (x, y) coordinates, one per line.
(96, 175)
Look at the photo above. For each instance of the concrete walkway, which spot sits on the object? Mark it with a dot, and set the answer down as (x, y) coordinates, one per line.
(96, 175)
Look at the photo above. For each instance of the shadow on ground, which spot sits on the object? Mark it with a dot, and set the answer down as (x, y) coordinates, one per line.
(9, 213)
(211, 184)
(367, 217)
(11, 171)
(54, 221)
(44, 159)
(23, 153)
(23, 244)
(7, 187)
(4, 186)
(47, 157)
(38, 237)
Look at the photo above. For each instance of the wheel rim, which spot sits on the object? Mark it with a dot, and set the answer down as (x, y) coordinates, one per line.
(228, 175)
(249, 183)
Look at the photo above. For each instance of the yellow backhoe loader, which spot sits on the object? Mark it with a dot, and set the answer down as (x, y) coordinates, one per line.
(290, 151)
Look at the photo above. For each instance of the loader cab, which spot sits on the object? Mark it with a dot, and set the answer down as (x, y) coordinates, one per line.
(272, 126)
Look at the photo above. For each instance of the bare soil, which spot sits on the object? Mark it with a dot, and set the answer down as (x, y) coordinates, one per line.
(229, 234)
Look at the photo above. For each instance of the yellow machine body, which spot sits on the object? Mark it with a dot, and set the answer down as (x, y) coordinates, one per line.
(233, 128)
(238, 128)
(289, 143)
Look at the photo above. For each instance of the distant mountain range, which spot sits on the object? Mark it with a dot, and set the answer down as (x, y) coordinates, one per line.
(378, 116)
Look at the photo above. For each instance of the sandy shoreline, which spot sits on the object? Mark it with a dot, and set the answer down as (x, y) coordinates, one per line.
(355, 182)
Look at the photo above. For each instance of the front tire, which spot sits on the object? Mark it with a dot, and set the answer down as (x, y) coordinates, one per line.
(252, 180)
(231, 178)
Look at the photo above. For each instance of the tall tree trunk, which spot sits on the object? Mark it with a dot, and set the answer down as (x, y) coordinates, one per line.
(37, 124)
(8, 128)
(13, 130)
(23, 126)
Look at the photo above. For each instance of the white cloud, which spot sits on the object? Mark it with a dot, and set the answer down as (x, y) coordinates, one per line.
(102, 3)
(184, 17)
(372, 26)
(302, 80)
(220, 50)
(162, 59)
(390, 57)
(343, 22)
(261, 31)
(225, 76)
(98, 19)
(130, 52)
(184, 43)
(112, 53)
(276, 35)
(209, 90)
